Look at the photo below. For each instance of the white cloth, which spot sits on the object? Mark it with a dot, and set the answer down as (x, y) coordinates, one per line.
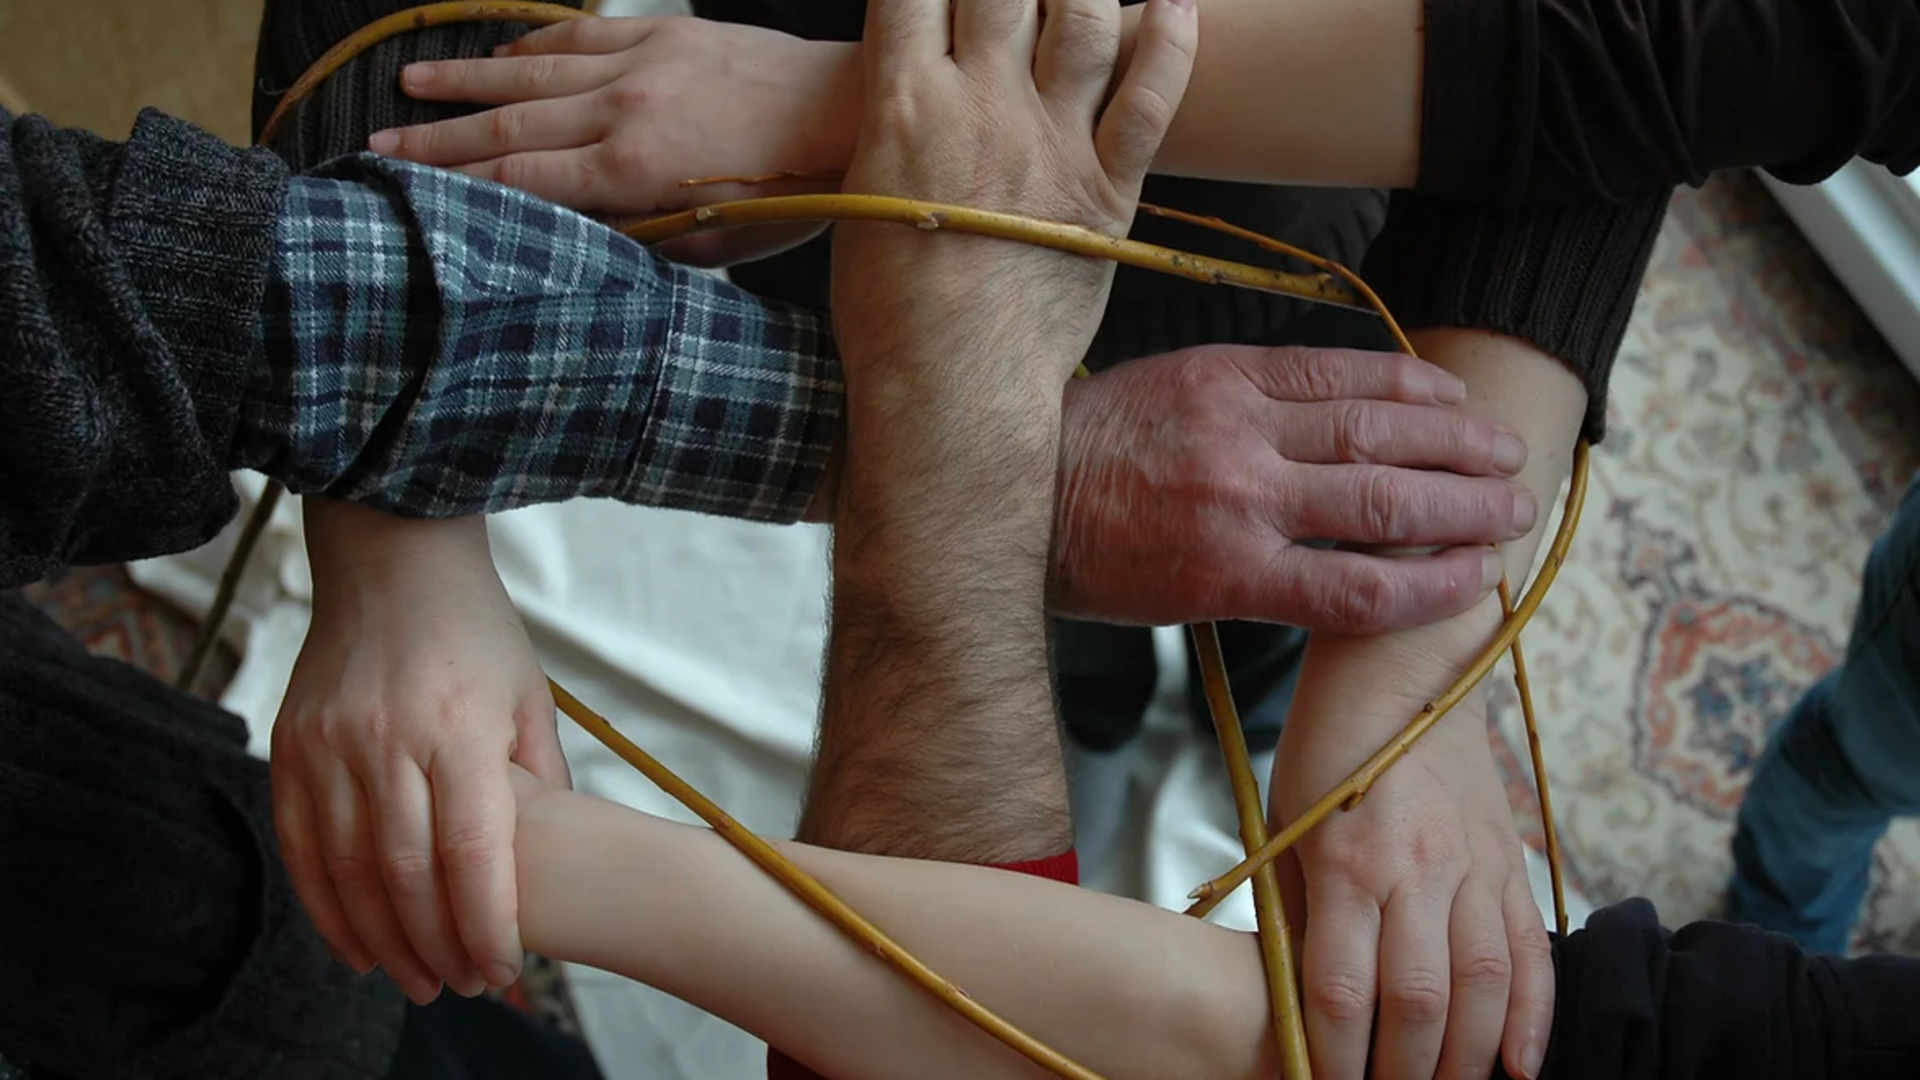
(701, 639)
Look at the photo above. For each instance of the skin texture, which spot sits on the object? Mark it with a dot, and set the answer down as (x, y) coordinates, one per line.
(938, 733)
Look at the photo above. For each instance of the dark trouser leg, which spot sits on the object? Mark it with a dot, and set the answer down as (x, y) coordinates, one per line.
(146, 927)
(458, 1038)
(1842, 766)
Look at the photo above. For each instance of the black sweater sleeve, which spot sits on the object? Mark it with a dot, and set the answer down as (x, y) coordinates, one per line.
(130, 284)
(1563, 278)
(1636, 1001)
(1574, 100)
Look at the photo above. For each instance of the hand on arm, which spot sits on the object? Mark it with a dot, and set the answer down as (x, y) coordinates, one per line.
(1417, 901)
(414, 694)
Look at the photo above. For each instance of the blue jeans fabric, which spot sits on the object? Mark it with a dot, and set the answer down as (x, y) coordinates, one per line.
(1842, 766)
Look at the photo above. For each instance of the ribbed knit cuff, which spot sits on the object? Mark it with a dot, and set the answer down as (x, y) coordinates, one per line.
(1563, 278)
(364, 96)
(1064, 867)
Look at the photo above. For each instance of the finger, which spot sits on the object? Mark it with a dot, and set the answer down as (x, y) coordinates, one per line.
(998, 35)
(1342, 592)
(353, 863)
(1339, 966)
(1294, 373)
(903, 36)
(510, 129)
(1142, 108)
(1482, 975)
(1530, 1001)
(730, 247)
(405, 831)
(578, 179)
(473, 809)
(1390, 433)
(587, 35)
(1415, 985)
(1379, 504)
(300, 850)
(1079, 45)
(507, 80)
(539, 750)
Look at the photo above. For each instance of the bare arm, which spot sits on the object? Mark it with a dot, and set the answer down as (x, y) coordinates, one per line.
(1127, 989)
(1417, 900)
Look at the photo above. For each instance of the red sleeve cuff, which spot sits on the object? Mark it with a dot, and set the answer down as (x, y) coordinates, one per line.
(1064, 867)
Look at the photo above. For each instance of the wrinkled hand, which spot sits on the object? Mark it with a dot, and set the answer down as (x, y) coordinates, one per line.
(1191, 479)
(986, 104)
(1423, 945)
(415, 694)
(609, 116)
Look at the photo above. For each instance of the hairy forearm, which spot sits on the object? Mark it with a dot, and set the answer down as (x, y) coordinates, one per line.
(1364, 689)
(938, 737)
(1127, 989)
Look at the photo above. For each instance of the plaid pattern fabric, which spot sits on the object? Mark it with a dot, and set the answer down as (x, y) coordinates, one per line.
(437, 346)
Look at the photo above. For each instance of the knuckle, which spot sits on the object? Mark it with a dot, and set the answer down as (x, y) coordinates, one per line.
(1357, 431)
(464, 850)
(539, 72)
(1361, 606)
(1317, 376)
(1382, 503)
(1418, 996)
(409, 874)
(350, 871)
(504, 126)
(630, 95)
(1343, 995)
(1486, 966)
(1150, 114)
(1089, 33)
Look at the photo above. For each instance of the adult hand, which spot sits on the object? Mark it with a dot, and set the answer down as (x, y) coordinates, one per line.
(610, 116)
(414, 695)
(1190, 481)
(984, 103)
(1424, 954)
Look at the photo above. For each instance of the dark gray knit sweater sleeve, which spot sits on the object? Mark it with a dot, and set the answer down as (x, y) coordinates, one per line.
(1563, 278)
(130, 279)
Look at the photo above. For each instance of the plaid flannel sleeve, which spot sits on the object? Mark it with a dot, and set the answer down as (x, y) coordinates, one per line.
(437, 346)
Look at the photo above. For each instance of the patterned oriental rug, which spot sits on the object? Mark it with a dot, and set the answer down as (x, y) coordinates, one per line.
(1760, 432)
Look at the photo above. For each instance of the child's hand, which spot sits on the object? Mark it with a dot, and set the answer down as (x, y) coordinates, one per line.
(414, 697)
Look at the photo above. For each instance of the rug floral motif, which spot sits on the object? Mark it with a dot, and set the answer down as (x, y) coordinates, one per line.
(1760, 434)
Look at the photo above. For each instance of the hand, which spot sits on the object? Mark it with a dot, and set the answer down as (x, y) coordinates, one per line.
(1423, 945)
(1189, 481)
(981, 103)
(609, 116)
(415, 694)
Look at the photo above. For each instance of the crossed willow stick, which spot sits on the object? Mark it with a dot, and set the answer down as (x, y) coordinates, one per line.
(1261, 849)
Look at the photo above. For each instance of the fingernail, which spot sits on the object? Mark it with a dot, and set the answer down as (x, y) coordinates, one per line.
(1532, 1058)
(1509, 453)
(501, 975)
(384, 142)
(1448, 390)
(422, 991)
(501, 50)
(1525, 512)
(1492, 569)
(415, 75)
(360, 963)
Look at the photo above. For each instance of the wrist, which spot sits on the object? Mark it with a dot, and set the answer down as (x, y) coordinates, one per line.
(346, 541)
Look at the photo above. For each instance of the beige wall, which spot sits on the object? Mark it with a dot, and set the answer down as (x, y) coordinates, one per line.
(94, 63)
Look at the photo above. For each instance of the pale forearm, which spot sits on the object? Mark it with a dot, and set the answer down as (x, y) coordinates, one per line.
(1369, 687)
(1127, 989)
(1263, 106)
(342, 537)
